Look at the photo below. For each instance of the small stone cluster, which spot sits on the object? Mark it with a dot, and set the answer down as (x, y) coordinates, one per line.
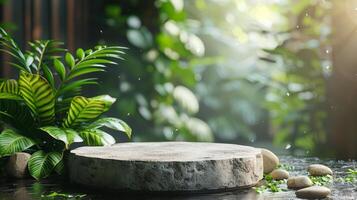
(302, 184)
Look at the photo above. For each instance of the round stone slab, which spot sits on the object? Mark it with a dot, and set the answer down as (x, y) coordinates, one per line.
(166, 166)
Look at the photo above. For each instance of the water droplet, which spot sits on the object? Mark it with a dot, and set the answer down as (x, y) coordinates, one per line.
(287, 94)
(288, 146)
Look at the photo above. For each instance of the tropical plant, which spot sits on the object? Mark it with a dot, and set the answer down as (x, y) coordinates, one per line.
(43, 112)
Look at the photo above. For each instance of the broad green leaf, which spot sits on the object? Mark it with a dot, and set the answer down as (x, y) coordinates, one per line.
(12, 142)
(9, 89)
(60, 69)
(83, 110)
(112, 123)
(70, 60)
(108, 100)
(10, 96)
(66, 135)
(41, 163)
(9, 86)
(38, 96)
(96, 137)
(59, 168)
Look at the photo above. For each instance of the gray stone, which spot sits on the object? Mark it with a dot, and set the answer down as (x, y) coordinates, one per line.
(17, 165)
(299, 182)
(166, 166)
(279, 174)
(319, 170)
(270, 161)
(313, 192)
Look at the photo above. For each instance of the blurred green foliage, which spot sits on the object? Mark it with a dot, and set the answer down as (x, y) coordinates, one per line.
(272, 80)
(239, 70)
(297, 96)
(155, 88)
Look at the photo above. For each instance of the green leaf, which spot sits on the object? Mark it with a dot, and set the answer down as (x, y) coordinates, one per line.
(80, 54)
(9, 89)
(48, 75)
(60, 69)
(29, 61)
(83, 110)
(9, 86)
(13, 50)
(79, 72)
(112, 123)
(60, 167)
(70, 60)
(44, 51)
(108, 100)
(66, 135)
(10, 96)
(15, 114)
(12, 142)
(96, 137)
(41, 163)
(75, 86)
(38, 96)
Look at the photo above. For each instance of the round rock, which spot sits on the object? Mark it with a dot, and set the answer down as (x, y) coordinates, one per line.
(319, 170)
(279, 174)
(313, 192)
(299, 182)
(166, 166)
(270, 160)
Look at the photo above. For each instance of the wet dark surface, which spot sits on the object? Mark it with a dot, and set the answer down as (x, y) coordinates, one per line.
(30, 189)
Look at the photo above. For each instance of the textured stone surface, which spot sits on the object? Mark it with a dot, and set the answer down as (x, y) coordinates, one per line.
(299, 182)
(313, 192)
(166, 166)
(279, 174)
(270, 161)
(319, 170)
(17, 165)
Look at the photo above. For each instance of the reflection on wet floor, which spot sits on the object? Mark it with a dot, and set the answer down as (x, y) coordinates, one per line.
(30, 189)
